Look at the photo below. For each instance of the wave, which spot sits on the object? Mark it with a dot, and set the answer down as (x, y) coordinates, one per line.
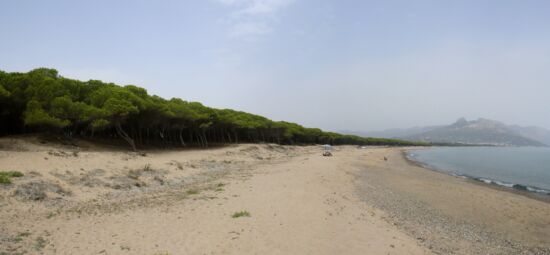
(516, 186)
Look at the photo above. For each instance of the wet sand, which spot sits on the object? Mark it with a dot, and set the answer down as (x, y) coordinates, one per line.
(453, 215)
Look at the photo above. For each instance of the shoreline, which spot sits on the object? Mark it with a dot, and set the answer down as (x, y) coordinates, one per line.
(544, 197)
(292, 201)
(452, 215)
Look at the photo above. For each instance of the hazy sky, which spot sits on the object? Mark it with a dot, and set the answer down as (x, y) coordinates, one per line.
(340, 64)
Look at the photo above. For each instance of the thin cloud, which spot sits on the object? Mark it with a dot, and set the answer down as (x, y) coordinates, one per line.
(262, 7)
(247, 29)
(251, 19)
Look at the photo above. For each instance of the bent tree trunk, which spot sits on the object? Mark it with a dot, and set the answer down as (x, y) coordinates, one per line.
(125, 136)
(204, 138)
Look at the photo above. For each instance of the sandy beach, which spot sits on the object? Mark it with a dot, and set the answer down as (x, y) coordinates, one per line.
(453, 215)
(85, 199)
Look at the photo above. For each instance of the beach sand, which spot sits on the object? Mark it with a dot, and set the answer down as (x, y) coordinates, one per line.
(92, 200)
(453, 215)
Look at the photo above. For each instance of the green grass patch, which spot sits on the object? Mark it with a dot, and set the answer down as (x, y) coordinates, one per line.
(5, 176)
(5, 179)
(193, 192)
(240, 214)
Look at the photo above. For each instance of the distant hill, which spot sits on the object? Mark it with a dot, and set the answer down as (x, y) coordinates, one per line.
(393, 132)
(481, 131)
(535, 133)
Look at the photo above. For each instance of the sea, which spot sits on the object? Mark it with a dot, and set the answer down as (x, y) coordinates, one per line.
(522, 168)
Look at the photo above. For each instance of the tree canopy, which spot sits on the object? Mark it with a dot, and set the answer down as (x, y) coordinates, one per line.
(43, 101)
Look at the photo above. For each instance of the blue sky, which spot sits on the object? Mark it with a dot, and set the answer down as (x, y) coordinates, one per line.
(355, 65)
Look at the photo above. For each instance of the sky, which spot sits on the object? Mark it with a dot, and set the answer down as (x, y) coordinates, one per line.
(334, 64)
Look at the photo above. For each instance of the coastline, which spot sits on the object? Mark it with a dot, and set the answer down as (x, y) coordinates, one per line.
(294, 201)
(478, 181)
(451, 215)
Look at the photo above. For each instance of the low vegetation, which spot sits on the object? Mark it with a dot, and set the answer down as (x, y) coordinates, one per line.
(219, 187)
(147, 168)
(240, 214)
(43, 101)
(5, 176)
(193, 192)
(40, 243)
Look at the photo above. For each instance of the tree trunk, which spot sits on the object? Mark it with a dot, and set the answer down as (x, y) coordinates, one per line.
(125, 136)
(181, 138)
(228, 136)
(205, 139)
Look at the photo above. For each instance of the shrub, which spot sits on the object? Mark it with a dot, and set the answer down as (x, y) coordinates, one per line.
(240, 214)
(5, 179)
(192, 192)
(5, 176)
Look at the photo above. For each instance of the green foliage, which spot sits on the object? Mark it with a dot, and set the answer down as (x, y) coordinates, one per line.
(44, 72)
(100, 124)
(193, 192)
(35, 115)
(13, 173)
(5, 176)
(119, 108)
(41, 100)
(240, 214)
(5, 179)
(76, 112)
(4, 92)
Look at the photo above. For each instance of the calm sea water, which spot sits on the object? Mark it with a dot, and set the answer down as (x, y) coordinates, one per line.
(526, 168)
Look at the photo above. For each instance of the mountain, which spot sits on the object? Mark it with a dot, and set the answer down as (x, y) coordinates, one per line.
(393, 132)
(481, 131)
(535, 133)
